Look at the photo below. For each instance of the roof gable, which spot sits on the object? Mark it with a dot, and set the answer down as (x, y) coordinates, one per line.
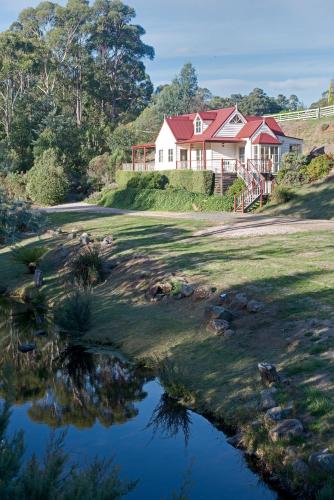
(264, 138)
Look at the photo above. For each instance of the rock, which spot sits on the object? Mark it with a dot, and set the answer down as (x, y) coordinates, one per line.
(268, 373)
(107, 241)
(223, 297)
(85, 239)
(286, 430)
(218, 312)
(218, 326)
(72, 235)
(253, 306)
(201, 293)
(229, 333)
(267, 400)
(27, 347)
(322, 461)
(160, 288)
(240, 300)
(187, 290)
(38, 278)
(32, 266)
(300, 468)
(278, 413)
(235, 440)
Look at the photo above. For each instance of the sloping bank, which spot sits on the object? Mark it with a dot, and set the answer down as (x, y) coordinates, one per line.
(181, 191)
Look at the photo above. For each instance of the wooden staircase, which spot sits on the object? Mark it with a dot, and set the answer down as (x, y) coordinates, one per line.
(223, 181)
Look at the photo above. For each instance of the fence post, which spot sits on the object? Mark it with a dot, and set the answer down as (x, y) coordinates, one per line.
(243, 203)
(261, 196)
(318, 112)
(235, 202)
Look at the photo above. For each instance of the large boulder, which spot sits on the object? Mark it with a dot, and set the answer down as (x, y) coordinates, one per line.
(201, 293)
(107, 241)
(186, 290)
(253, 306)
(218, 312)
(322, 461)
(286, 430)
(278, 413)
(84, 239)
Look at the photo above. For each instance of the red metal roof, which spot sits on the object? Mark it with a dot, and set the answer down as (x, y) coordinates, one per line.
(265, 138)
(182, 128)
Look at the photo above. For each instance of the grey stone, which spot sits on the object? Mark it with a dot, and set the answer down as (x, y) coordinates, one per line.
(286, 430)
(38, 278)
(300, 468)
(187, 290)
(201, 293)
(322, 461)
(218, 312)
(107, 241)
(267, 400)
(72, 235)
(268, 373)
(253, 306)
(27, 347)
(278, 413)
(241, 300)
(218, 326)
(84, 239)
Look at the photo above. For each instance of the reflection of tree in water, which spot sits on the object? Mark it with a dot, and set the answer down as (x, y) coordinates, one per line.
(170, 417)
(65, 383)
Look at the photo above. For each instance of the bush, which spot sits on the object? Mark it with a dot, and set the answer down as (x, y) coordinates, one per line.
(281, 194)
(169, 200)
(15, 185)
(16, 218)
(47, 181)
(29, 256)
(237, 187)
(151, 180)
(193, 181)
(319, 167)
(100, 171)
(292, 171)
(87, 268)
(73, 314)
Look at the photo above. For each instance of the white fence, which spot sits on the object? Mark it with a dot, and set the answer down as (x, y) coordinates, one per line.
(306, 114)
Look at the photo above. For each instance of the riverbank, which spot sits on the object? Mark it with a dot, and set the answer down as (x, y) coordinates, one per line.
(286, 273)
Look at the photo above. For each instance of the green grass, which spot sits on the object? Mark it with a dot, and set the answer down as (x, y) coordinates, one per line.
(293, 277)
(311, 201)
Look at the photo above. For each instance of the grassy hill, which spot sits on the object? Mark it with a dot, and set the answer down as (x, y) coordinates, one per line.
(316, 133)
(312, 201)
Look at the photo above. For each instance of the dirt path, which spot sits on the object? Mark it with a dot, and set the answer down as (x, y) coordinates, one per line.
(229, 225)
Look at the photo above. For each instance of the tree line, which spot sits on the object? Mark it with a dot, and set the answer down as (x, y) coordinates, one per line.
(75, 95)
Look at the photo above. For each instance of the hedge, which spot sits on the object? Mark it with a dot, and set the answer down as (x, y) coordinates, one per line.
(169, 200)
(193, 181)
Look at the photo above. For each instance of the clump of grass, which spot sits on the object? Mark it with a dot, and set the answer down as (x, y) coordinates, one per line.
(73, 314)
(29, 256)
(318, 403)
(305, 366)
(87, 268)
(172, 378)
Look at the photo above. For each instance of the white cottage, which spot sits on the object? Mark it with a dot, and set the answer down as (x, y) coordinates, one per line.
(222, 140)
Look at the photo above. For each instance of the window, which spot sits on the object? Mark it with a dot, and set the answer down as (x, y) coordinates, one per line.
(170, 155)
(199, 155)
(236, 120)
(198, 126)
(161, 155)
(295, 148)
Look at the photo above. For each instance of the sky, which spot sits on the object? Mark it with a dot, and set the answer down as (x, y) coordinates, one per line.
(282, 46)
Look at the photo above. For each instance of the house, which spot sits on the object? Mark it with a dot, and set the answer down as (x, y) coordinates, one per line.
(222, 140)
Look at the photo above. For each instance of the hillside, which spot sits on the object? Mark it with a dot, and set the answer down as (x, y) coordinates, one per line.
(316, 133)
(312, 201)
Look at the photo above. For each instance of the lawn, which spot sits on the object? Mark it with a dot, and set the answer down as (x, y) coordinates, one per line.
(293, 275)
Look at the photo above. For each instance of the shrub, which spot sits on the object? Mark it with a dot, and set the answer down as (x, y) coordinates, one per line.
(16, 218)
(47, 181)
(237, 187)
(319, 167)
(73, 314)
(193, 181)
(15, 185)
(87, 267)
(100, 171)
(30, 256)
(151, 180)
(292, 171)
(281, 194)
(169, 199)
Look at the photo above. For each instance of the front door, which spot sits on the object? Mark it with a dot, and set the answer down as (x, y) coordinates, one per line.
(242, 155)
(184, 158)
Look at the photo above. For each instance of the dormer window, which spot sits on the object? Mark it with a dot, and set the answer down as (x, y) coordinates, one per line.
(236, 120)
(198, 126)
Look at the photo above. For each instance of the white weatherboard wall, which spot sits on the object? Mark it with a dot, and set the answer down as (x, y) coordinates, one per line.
(287, 142)
(165, 141)
(231, 129)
